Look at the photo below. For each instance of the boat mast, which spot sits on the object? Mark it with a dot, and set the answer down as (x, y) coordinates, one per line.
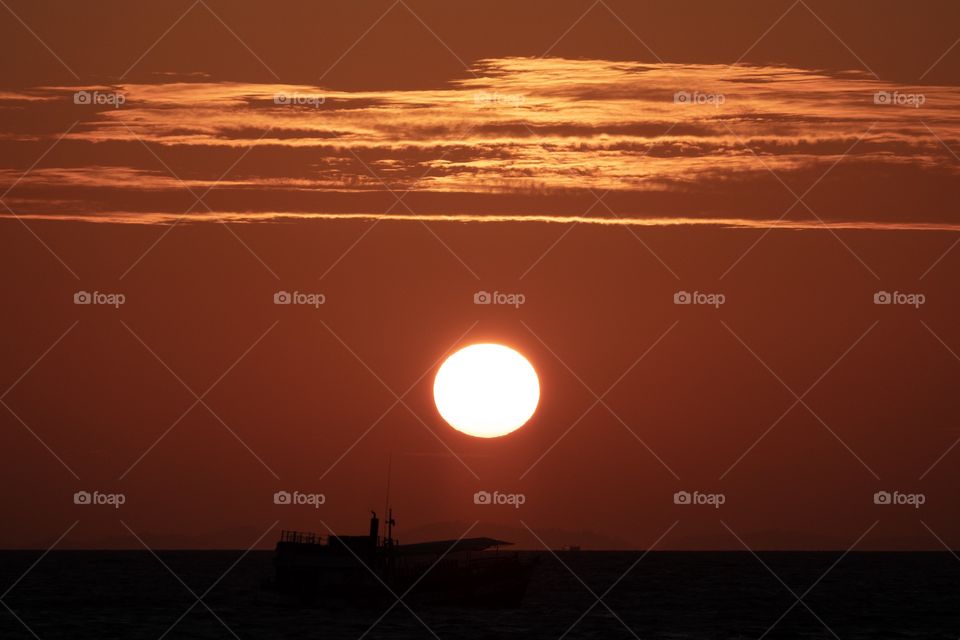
(386, 506)
(390, 523)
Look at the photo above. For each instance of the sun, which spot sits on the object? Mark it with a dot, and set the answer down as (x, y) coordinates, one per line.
(486, 390)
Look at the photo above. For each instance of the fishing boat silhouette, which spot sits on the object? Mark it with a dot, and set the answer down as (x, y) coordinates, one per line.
(312, 569)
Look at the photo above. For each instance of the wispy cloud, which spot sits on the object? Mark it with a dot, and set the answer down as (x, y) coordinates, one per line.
(523, 127)
(534, 218)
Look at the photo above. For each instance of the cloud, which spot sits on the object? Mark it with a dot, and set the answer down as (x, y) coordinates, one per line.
(521, 127)
(538, 218)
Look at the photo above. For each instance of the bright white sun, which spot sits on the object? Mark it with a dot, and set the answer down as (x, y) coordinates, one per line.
(486, 390)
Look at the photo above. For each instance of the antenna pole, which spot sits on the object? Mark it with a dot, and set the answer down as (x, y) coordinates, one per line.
(386, 507)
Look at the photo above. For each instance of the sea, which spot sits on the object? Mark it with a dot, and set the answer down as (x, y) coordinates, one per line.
(588, 594)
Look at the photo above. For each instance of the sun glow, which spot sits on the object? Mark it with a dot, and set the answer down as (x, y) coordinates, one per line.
(486, 390)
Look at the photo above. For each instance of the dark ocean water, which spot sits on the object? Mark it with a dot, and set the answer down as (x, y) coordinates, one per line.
(117, 594)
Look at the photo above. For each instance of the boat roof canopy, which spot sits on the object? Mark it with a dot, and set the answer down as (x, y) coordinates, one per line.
(450, 546)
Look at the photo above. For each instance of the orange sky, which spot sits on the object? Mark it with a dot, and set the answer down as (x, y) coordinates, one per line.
(598, 158)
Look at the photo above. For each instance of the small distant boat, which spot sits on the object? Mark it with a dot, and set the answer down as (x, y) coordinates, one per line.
(313, 569)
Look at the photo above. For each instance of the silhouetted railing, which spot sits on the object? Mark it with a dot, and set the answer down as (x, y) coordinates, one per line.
(300, 537)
